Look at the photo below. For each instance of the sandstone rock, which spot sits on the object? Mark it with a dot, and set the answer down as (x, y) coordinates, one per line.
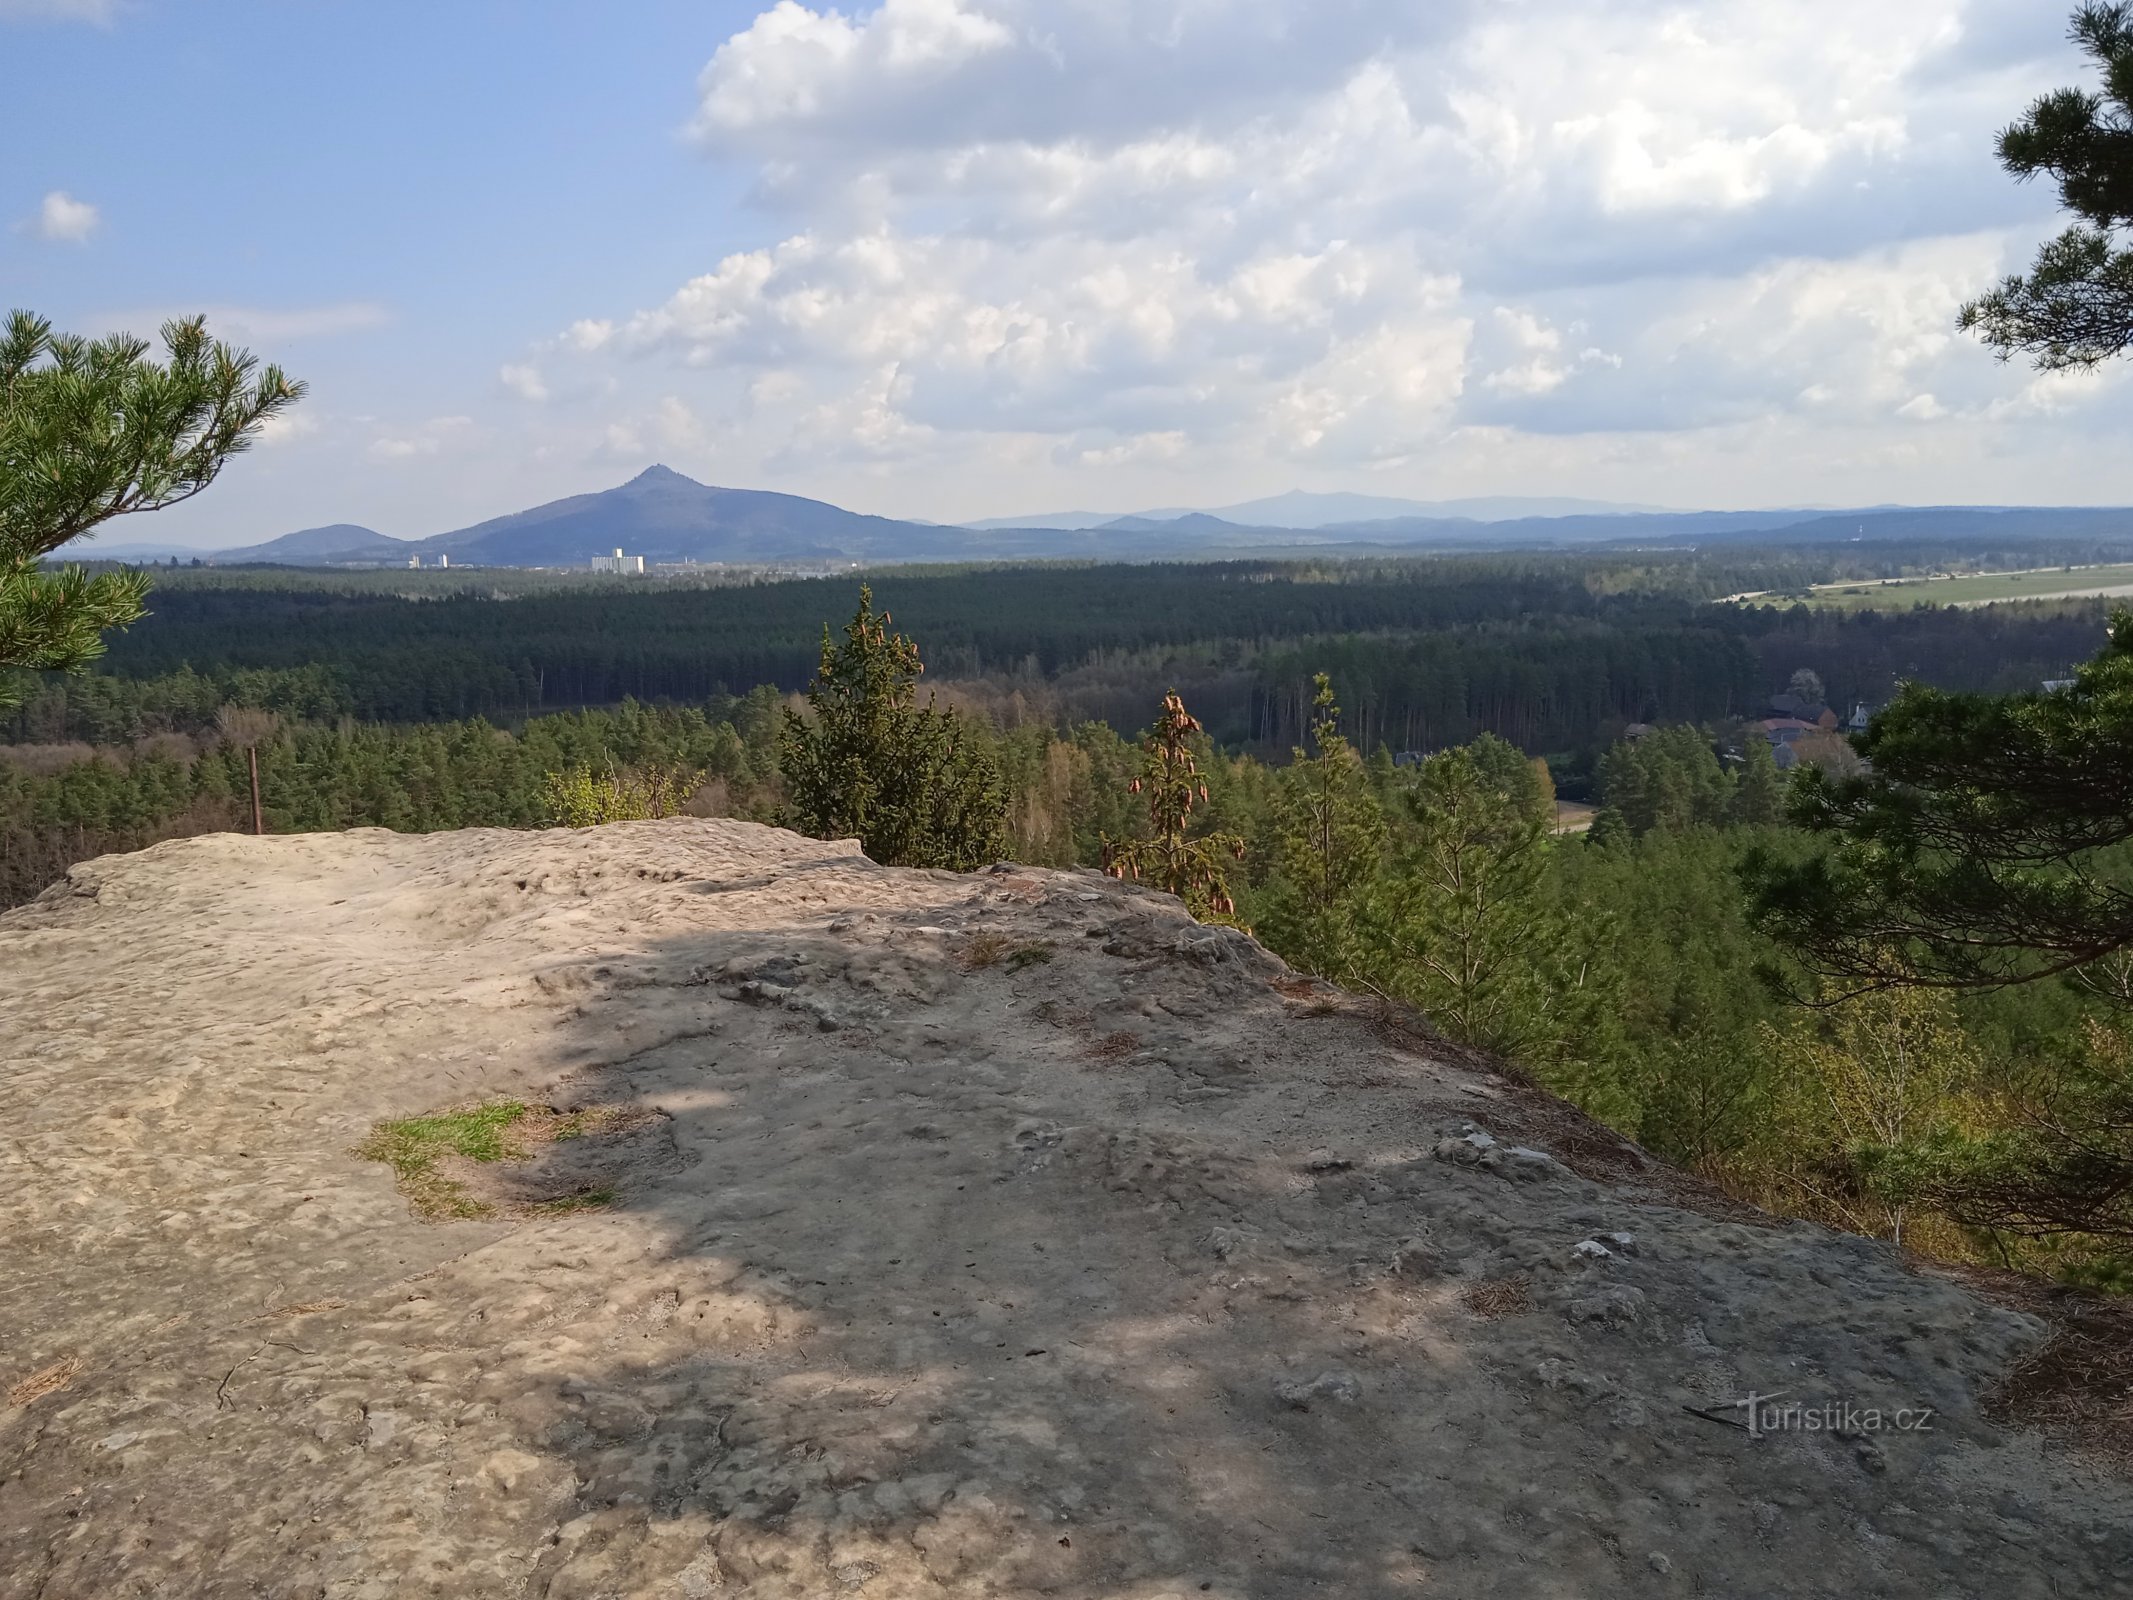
(1614, 1306)
(973, 1293)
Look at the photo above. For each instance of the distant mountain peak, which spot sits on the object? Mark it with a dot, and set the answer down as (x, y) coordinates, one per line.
(660, 473)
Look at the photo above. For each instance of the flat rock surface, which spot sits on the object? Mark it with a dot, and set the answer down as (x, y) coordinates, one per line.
(1004, 1234)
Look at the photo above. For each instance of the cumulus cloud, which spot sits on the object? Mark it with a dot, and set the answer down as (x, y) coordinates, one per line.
(63, 219)
(958, 74)
(1236, 241)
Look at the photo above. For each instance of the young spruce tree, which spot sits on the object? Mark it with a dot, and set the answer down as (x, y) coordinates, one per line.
(1459, 926)
(1330, 845)
(910, 782)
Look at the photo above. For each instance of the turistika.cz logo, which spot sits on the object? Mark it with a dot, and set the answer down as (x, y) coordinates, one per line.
(1766, 1414)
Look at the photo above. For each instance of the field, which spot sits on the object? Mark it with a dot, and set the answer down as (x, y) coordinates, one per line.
(1979, 588)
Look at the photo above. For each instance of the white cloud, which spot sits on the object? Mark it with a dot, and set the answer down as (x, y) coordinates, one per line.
(523, 379)
(792, 64)
(1233, 243)
(65, 220)
(589, 333)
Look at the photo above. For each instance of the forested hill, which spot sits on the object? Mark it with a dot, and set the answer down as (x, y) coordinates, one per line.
(1547, 651)
(666, 516)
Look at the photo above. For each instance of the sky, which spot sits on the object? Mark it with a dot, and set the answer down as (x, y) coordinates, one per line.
(953, 259)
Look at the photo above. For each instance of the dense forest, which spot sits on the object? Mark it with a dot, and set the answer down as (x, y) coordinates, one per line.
(1552, 652)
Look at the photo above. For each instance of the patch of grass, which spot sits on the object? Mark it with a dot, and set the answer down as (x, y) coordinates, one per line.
(1979, 588)
(982, 950)
(1025, 956)
(413, 1146)
(500, 1130)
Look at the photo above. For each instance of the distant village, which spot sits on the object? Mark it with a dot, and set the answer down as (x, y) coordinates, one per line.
(1800, 728)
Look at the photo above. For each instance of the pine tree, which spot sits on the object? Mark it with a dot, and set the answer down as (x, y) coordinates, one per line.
(1987, 848)
(1459, 925)
(91, 430)
(1759, 790)
(912, 783)
(1667, 781)
(2075, 309)
(1984, 847)
(1192, 869)
(1330, 843)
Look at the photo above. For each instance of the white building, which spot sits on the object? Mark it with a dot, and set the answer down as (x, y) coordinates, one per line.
(618, 562)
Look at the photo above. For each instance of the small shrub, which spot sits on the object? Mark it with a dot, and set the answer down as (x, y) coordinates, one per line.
(582, 797)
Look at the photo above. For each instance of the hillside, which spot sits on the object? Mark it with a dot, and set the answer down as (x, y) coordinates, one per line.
(666, 517)
(920, 1234)
(339, 543)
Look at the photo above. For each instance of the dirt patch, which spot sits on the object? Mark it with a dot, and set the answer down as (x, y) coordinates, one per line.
(505, 1158)
(2077, 1385)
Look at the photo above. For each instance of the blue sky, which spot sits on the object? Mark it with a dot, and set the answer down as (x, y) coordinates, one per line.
(956, 258)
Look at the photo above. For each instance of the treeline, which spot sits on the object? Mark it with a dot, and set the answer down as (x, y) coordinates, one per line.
(1554, 653)
(465, 655)
(1542, 688)
(1066, 788)
(60, 805)
(1864, 655)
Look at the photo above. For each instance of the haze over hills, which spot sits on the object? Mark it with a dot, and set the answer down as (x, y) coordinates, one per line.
(336, 542)
(667, 517)
(1303, 509)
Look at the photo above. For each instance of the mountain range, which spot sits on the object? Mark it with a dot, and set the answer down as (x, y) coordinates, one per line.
(1301, 509)
(666, 517)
